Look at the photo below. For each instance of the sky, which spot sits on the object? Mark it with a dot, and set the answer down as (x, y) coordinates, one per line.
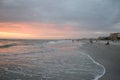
(58, 19)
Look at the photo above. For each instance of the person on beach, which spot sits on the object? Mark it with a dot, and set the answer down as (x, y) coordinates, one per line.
(91, 41)
(107, 43)
(72, 40)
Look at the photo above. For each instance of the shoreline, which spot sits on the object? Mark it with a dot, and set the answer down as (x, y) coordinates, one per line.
(98, 77)
(108, 56)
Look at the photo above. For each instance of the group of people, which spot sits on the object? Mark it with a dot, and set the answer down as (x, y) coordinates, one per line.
(91, 41)
(107, 43)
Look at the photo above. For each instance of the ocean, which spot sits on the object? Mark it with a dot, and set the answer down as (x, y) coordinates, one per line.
(46, 60)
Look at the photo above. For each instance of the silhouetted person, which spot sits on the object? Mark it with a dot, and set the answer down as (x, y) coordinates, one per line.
(72, 40)
(107, 43)
(91, 41)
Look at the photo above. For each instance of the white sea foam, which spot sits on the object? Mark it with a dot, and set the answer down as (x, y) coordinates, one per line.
(104, 70)
(51, 42)
(81, 44)
(13, 71)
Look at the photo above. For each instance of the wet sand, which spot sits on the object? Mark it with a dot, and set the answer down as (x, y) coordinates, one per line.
(108, 56)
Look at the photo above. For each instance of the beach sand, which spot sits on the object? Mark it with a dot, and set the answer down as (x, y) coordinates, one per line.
(108, 56)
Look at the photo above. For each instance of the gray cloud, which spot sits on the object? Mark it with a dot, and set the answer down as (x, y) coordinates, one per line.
(89, 14)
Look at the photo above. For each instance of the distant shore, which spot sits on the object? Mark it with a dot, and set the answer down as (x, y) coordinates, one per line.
(108, 56)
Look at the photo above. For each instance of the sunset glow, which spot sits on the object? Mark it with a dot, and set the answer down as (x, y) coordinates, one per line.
(35, 30)
(14, 35)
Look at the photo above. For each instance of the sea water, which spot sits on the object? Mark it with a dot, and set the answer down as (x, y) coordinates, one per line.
(46, 60)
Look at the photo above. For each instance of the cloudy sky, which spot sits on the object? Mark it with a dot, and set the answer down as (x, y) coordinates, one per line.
(58, 18)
